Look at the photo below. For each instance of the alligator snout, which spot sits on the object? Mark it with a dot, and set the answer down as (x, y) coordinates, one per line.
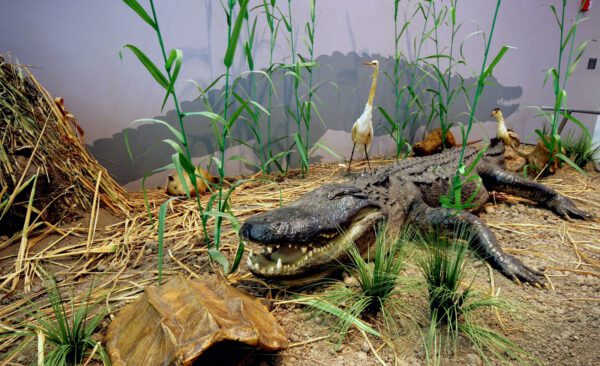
(314, 215)
(282, 225)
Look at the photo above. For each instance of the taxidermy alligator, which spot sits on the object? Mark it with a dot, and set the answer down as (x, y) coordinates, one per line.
(309, 238)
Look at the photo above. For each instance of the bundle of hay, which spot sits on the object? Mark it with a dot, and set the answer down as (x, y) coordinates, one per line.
(42, 146)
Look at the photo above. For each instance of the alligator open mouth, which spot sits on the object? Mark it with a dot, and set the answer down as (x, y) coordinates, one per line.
(286, 260)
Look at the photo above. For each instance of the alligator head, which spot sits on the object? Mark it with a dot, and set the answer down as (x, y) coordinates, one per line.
(304, 239)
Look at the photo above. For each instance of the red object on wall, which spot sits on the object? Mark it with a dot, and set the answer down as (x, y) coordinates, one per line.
(585, 5)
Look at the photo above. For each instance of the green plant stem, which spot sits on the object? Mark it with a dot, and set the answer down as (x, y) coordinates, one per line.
(412, 76)
(480, 84)
(164, 54)
(181, 124)
(453, 4)
(310, 73)
(221, 168)
(396, 75)
(557, 82)
(577, 18)
(270, 92)
(262, 153)
(304, 168)
(441, 113)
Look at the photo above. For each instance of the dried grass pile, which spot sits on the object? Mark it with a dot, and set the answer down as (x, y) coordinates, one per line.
(39, 137)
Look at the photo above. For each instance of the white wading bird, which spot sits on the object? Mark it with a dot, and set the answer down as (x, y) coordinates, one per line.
(362, 131)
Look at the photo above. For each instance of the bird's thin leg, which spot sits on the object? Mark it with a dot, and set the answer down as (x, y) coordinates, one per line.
(352, 154)
(367, 155)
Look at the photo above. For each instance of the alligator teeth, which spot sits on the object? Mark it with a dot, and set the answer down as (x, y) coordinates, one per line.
(310, 254)
(251, 253)
(279, 264)
(249, 262)
(256, 266)
(272, 270)
(304, 250)
(270, 250)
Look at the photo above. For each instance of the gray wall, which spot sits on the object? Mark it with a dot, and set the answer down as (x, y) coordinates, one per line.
(75, 45)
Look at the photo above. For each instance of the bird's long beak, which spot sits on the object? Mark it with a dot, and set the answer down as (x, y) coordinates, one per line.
(368, 63)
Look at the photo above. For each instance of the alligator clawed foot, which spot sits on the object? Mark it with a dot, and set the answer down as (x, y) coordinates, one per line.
(566, 209)
(523, 274)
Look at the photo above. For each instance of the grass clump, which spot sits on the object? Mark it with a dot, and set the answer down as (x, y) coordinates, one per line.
(581, 149)
(69, 330)
(456, 308)
(373, 293)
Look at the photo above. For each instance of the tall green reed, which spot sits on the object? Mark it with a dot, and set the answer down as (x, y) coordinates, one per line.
(302, 111)
(263, 144)
(393, 121)
(562, 73)
(466, 174)
(413, 107)
(172, 65)
(181, 159)
(308, 105)
(447, 91)
(222, 125)
(294, 69)
(273, 24)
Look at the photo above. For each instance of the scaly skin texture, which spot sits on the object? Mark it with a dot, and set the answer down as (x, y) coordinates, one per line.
(303, 240)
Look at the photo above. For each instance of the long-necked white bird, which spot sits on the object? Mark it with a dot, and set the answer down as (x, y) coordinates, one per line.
(362, 131)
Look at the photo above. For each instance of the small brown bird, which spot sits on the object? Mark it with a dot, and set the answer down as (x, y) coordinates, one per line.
(203, 180)
(362, 130)
(509, 137)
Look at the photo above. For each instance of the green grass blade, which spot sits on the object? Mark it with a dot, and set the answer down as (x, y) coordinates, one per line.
(149, 65)
(571, 163)
(239, 253)
(180, 173)
(301, 149)
(135, 6)
(235, 34)
(330, 151)
(488, 71)
(162, 212)
(583, 128)
(172, 129)
(175, 58)
(220, 258)
(338, 312)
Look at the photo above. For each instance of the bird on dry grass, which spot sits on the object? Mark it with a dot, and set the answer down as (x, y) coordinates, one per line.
(509, 137)
(362, 131)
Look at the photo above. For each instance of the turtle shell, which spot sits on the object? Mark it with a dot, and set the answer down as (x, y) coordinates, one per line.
(176, 323)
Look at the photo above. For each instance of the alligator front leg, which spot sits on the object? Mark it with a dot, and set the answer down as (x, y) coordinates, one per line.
(497, 179)
(483, 241)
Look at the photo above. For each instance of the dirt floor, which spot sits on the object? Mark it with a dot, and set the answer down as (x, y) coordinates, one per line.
(558, 325)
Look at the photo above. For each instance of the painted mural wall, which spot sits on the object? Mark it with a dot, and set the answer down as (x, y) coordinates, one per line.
(74, 49)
